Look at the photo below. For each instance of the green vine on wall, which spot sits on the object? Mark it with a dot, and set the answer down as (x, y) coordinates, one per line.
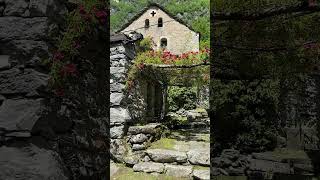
(167, 58)
(80, 24)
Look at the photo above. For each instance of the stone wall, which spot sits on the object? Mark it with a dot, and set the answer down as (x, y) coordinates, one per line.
(43, 136)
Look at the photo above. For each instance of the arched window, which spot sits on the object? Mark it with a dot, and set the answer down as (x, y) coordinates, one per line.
(146, 23)
(160, 22)
(163, 43)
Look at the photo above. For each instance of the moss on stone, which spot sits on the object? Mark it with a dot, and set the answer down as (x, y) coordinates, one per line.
(125, 173)
(164, 143)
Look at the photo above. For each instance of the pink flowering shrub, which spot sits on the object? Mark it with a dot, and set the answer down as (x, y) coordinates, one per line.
(80, 23)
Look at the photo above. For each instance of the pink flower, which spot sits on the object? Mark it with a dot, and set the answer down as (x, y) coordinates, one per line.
(69, 69)
(82, 10)
(102, 16)
(58, 56)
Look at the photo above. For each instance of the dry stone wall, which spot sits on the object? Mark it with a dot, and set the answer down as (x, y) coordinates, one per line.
(41, 136)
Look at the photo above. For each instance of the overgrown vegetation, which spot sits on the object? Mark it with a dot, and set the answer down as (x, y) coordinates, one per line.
(250, 58)
(181, 97)
(80, 25)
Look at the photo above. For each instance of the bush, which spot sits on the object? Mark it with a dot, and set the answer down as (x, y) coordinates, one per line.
(181, 97)
(245, 114)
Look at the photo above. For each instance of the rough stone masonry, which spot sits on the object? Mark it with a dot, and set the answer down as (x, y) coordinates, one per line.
(42, 137)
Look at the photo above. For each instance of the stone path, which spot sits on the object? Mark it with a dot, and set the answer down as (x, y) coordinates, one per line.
(185, 154)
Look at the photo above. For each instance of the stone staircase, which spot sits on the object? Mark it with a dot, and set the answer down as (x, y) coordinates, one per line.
(176, 163)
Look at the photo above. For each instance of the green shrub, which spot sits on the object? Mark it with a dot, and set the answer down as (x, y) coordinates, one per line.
(245, 114)
(181, 97)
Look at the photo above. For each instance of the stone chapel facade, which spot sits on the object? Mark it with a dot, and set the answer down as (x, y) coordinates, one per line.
(167, 32)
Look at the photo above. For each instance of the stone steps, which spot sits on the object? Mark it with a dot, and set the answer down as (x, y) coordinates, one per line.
(172, 170)
(195, 157)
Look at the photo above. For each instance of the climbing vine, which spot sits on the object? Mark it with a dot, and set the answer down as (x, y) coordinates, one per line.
(179, 65)
(81, 23)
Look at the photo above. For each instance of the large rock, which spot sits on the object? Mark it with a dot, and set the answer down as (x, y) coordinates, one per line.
(178, 170)
(119, 116)
(29, 28)
(201, 174)
(269, 166)
(146, 129)
(199, 157)
(149, 167)
(167, 156)
(139, 138)
(20, 114)
(138, 147)
(15, 81)
(30, 162)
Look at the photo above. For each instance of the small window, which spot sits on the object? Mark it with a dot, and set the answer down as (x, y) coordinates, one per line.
(160, 22)
(163, 43)
(146, 23)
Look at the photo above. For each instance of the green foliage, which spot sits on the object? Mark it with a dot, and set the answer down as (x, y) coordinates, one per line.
(245, 114)
(145, 45)
(181, 97)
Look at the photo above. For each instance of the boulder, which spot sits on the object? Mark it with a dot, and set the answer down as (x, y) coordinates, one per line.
(178, 170)
(146, 129)
(20, 114)
(199, 157)
(149, 167)
(139, 138)
(201, 174)
(166, 156)
(30, 162)
(15, 81)
(269, 166)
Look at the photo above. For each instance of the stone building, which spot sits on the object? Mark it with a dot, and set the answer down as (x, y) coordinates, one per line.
(166, 31)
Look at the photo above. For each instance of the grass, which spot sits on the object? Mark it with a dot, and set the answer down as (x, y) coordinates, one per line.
(163, 143)
(125, 173)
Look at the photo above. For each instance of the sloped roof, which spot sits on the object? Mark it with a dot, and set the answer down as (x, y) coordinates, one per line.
(160, 7)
